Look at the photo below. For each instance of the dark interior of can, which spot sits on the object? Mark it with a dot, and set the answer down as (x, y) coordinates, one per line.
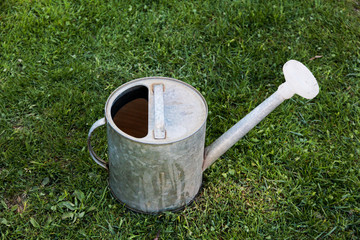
(130, 111)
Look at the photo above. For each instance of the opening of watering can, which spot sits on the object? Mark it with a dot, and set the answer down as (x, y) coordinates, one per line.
(130, 111)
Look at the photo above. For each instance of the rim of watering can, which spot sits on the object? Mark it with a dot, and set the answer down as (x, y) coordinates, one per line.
(113, 96)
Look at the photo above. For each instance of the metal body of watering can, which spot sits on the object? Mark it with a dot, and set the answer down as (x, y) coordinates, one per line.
(156, 137)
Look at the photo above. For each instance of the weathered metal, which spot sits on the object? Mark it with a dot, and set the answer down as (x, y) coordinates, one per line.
(163, 170)
(160, 168)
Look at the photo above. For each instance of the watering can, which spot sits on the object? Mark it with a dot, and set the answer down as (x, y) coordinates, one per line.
(156, 137)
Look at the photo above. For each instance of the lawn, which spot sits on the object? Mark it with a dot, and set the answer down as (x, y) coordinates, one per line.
(296, 175)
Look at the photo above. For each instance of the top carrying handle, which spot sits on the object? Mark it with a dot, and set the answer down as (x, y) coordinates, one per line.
(93, 155)
(159, 128)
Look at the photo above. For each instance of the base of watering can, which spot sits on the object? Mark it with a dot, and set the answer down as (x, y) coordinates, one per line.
(155, 213)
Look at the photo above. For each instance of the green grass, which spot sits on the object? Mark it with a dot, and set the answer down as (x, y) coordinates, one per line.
(295, 176)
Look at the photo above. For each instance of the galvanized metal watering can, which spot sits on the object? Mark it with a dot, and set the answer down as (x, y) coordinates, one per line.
(156, 137)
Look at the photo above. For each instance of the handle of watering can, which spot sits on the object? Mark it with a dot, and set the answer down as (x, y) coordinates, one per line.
(93, 155)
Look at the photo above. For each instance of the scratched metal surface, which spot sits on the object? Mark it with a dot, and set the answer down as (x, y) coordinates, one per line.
(155, 178)
(159, 172)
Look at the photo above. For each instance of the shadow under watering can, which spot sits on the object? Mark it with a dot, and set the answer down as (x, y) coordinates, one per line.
(156, 137)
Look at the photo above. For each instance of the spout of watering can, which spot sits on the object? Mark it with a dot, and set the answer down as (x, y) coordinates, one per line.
(298, 80)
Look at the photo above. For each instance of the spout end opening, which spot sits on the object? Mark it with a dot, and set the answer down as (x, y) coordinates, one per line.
(300, 79)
